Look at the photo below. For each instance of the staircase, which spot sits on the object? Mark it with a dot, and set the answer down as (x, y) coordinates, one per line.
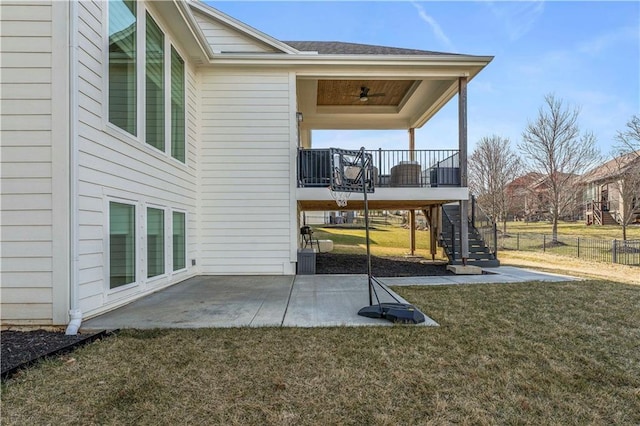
(479, 252)
(608, 219)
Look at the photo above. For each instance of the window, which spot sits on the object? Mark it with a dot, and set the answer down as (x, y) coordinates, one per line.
(177, 107)
(154, 91)
(122, 244)
(155, 242)
(179, 241)
(122, 65)
(161, 99)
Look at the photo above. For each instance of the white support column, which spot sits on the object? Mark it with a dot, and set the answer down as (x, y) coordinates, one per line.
(412, 213)
(462, 142)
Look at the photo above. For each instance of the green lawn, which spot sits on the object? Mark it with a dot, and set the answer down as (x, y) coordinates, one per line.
(574, 229)
(532, 353)
(386, 240)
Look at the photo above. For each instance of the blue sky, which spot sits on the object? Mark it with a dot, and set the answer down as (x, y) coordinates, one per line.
(586, 53)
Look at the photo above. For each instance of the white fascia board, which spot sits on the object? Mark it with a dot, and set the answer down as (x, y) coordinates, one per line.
(359, 60)
(241, 27)
(187, 15)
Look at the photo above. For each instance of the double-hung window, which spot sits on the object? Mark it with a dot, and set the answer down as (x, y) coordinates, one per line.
(154, 85)
(155, 242)
(179, 241)
(122, 244)
(123, 55)
(161, 105)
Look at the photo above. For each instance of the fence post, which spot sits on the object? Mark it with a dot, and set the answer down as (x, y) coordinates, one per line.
(614, 251)
(518, 241)
(578, 247)
(495, 240)
(544, 243)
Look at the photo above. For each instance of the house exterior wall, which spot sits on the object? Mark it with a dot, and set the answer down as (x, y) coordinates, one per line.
(248, 210)
(115, 166)
(225, 39)
(34, 158)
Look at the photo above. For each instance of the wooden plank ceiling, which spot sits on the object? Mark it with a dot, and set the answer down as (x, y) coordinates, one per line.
(347, 92)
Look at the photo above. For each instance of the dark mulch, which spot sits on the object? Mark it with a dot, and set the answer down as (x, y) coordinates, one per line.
(331, 263)
(23, 348)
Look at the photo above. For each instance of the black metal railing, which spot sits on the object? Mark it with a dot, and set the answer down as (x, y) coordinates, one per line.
(392, 168)
(484, 224)
(626, 252)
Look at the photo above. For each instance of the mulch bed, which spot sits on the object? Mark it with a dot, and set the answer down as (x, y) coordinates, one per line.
(331, 263)
(21, 349)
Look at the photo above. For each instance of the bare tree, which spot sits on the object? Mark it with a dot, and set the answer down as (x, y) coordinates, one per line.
(629, 139)
(555, 149)
(492, 166)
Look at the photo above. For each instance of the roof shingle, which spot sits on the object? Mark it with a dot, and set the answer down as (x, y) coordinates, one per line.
(342, 48)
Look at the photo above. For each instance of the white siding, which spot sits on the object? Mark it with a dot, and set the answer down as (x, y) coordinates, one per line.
(225, 39)
(115, 165)
(246, 165)
(26, 41)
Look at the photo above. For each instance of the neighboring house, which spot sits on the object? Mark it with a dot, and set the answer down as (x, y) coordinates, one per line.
(520, 193)
(603, 186)
(530, 197)
(144, 143)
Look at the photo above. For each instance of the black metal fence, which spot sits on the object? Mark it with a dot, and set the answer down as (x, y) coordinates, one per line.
(612, 251)
(392, 168)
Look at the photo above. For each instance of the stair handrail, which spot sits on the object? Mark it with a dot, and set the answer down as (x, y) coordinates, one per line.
(447, 223)
(597, 213)
(485, 225)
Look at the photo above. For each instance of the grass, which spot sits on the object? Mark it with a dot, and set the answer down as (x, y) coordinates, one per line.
(386, 240)
(571, 266)
(534, 353)
(575, 229)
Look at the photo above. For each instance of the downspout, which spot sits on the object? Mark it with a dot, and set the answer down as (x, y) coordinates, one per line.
(75, 314)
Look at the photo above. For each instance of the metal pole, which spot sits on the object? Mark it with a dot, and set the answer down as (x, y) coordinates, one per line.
(366, 225)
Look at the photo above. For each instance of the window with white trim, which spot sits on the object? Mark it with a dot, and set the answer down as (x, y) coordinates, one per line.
(179, 241)
(155, 242)
(123, 93)
(162, 110)
(154, 85)
(122, 244)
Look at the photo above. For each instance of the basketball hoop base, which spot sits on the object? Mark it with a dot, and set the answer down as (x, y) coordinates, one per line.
(399, 313)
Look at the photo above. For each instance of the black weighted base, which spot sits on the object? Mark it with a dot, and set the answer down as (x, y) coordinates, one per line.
(403, 313)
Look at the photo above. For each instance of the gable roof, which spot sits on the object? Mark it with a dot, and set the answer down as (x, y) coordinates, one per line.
(239, 26)
(613, 168)
(342, 48)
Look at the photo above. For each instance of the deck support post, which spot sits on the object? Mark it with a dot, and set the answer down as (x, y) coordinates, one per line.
(462, 145)
(412, 213)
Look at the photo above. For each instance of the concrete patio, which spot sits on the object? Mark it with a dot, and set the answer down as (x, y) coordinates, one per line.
(275, 301)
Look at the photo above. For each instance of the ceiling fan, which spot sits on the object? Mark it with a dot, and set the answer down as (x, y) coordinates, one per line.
(365, 95)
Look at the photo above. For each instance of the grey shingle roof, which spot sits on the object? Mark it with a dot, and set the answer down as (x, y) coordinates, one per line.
(341, 48)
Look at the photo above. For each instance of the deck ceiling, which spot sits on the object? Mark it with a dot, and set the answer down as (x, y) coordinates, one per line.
(393, 103)
(347, 92)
